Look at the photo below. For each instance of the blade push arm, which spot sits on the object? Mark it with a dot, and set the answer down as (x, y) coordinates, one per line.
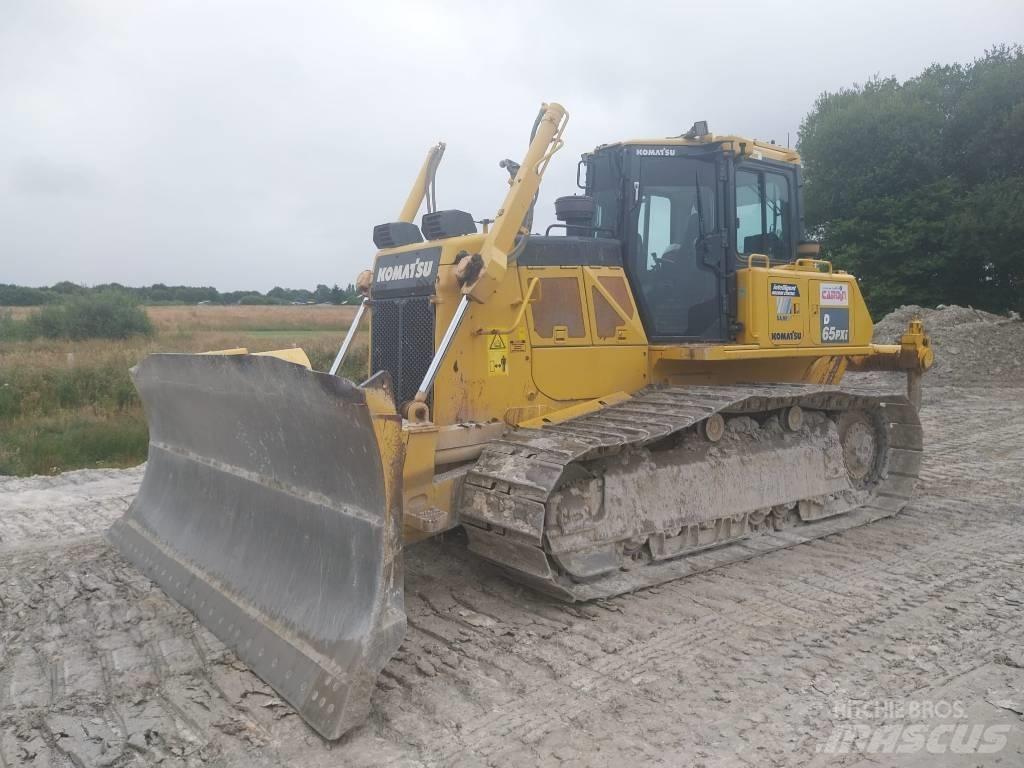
(481, 274)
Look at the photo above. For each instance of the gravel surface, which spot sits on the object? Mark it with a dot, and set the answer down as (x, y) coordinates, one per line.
(760, 663)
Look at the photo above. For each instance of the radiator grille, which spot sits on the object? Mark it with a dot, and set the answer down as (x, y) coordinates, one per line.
(402, 342)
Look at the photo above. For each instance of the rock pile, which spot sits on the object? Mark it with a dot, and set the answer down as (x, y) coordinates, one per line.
(972, 347)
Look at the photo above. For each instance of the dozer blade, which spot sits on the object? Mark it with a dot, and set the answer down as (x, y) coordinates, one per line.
(270, 507)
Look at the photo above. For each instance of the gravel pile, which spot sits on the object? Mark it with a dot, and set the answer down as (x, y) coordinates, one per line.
(971, 346)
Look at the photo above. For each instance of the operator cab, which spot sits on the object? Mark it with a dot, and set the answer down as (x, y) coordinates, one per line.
(688, 212)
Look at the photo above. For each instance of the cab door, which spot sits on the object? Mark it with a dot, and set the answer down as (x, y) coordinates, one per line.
(676, 243)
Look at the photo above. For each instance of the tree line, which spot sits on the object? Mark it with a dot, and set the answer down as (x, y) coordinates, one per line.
(918, 187)
(158, 293)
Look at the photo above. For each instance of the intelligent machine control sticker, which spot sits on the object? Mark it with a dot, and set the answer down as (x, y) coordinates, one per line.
(784, 294)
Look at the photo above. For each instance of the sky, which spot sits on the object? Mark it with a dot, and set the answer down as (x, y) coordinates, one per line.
(248, 144)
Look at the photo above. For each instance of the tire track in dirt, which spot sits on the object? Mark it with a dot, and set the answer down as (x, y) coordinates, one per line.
(741, 666)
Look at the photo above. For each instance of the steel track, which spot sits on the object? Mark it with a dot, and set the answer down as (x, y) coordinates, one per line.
(505, 496)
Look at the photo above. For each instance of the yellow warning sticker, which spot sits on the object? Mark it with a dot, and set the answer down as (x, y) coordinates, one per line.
(497, 355)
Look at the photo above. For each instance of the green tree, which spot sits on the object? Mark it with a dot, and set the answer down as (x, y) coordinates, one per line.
(20, 296)
(109, 315)
(68, 288)
(918, 187)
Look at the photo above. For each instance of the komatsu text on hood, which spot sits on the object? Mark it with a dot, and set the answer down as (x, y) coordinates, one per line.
(406, 274)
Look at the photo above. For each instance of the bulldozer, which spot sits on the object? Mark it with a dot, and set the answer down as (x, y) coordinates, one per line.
(649, 389)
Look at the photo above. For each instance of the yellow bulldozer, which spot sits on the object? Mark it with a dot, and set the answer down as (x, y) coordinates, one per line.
(649, 389)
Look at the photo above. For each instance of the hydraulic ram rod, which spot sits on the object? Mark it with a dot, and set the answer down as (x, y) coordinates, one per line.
(435, 364)
(348, 338)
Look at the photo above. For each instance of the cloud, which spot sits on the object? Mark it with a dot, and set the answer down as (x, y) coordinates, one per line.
(257, 143)
(43, 177)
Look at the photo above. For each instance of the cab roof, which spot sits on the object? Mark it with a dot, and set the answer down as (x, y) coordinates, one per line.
(753, 148)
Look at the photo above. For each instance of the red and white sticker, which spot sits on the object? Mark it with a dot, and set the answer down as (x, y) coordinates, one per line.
(835, 295)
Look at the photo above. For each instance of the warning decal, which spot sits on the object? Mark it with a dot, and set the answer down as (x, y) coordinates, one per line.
(497, 355)
(518, 344)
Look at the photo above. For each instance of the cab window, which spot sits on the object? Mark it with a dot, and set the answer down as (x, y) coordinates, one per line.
(603, 184)
(763, 213)
(655, 226)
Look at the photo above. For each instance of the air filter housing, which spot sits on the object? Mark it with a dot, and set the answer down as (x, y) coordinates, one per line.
(396, 233)
(452, 223)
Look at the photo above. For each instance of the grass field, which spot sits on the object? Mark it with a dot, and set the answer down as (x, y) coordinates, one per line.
(69, 405)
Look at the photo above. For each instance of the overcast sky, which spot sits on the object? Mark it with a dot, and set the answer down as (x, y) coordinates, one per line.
(250, 144)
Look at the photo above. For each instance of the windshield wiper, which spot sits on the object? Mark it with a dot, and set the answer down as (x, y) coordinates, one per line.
(700, 208)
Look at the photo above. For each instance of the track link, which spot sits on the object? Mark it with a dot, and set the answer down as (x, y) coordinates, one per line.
(508, 497)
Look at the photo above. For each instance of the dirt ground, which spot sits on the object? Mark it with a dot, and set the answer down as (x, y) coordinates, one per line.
(912, 620)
